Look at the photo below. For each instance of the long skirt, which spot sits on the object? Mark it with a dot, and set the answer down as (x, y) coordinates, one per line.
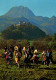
(17, 60)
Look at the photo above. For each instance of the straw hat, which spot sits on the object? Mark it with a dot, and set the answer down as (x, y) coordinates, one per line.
(24, 49)
(35, 51)
(16, 47)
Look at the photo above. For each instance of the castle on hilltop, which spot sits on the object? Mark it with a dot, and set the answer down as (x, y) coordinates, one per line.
(21, 23)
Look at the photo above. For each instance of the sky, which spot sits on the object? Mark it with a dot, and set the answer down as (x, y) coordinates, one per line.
(45, 8)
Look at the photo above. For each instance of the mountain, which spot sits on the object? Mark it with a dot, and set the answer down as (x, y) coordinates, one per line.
(48, 25)
(16, 14)
(7, 21)
(20, 11)
(25, 31)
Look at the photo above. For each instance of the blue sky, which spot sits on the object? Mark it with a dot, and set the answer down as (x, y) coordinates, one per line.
(46, 8)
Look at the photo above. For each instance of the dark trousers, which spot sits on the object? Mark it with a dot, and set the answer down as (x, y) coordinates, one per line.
(25, 62)
(51, 59)
(48, 61)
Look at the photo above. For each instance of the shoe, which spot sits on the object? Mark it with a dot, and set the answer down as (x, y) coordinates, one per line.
(47, 66)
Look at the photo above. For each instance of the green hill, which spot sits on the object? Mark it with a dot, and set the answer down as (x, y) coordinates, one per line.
(27, 31)
(21, 13)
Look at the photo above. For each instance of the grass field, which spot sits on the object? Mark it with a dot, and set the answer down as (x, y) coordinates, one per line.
(1, 36)
(38, 72)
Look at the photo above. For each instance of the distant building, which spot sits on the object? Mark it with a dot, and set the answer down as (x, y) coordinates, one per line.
(21, 23)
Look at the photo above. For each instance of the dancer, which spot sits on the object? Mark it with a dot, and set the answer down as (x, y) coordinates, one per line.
(47, 58)
(35, 57)
(44, 57)
(17, 57)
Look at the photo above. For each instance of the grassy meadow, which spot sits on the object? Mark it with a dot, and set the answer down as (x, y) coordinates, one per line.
(0, 36)
(38, 72)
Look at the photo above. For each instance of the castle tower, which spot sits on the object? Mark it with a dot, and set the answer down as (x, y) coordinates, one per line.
(19, 23)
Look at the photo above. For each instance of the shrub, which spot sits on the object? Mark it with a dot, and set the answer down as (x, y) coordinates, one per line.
(41, 45)
(11, 42)
(3, 43)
